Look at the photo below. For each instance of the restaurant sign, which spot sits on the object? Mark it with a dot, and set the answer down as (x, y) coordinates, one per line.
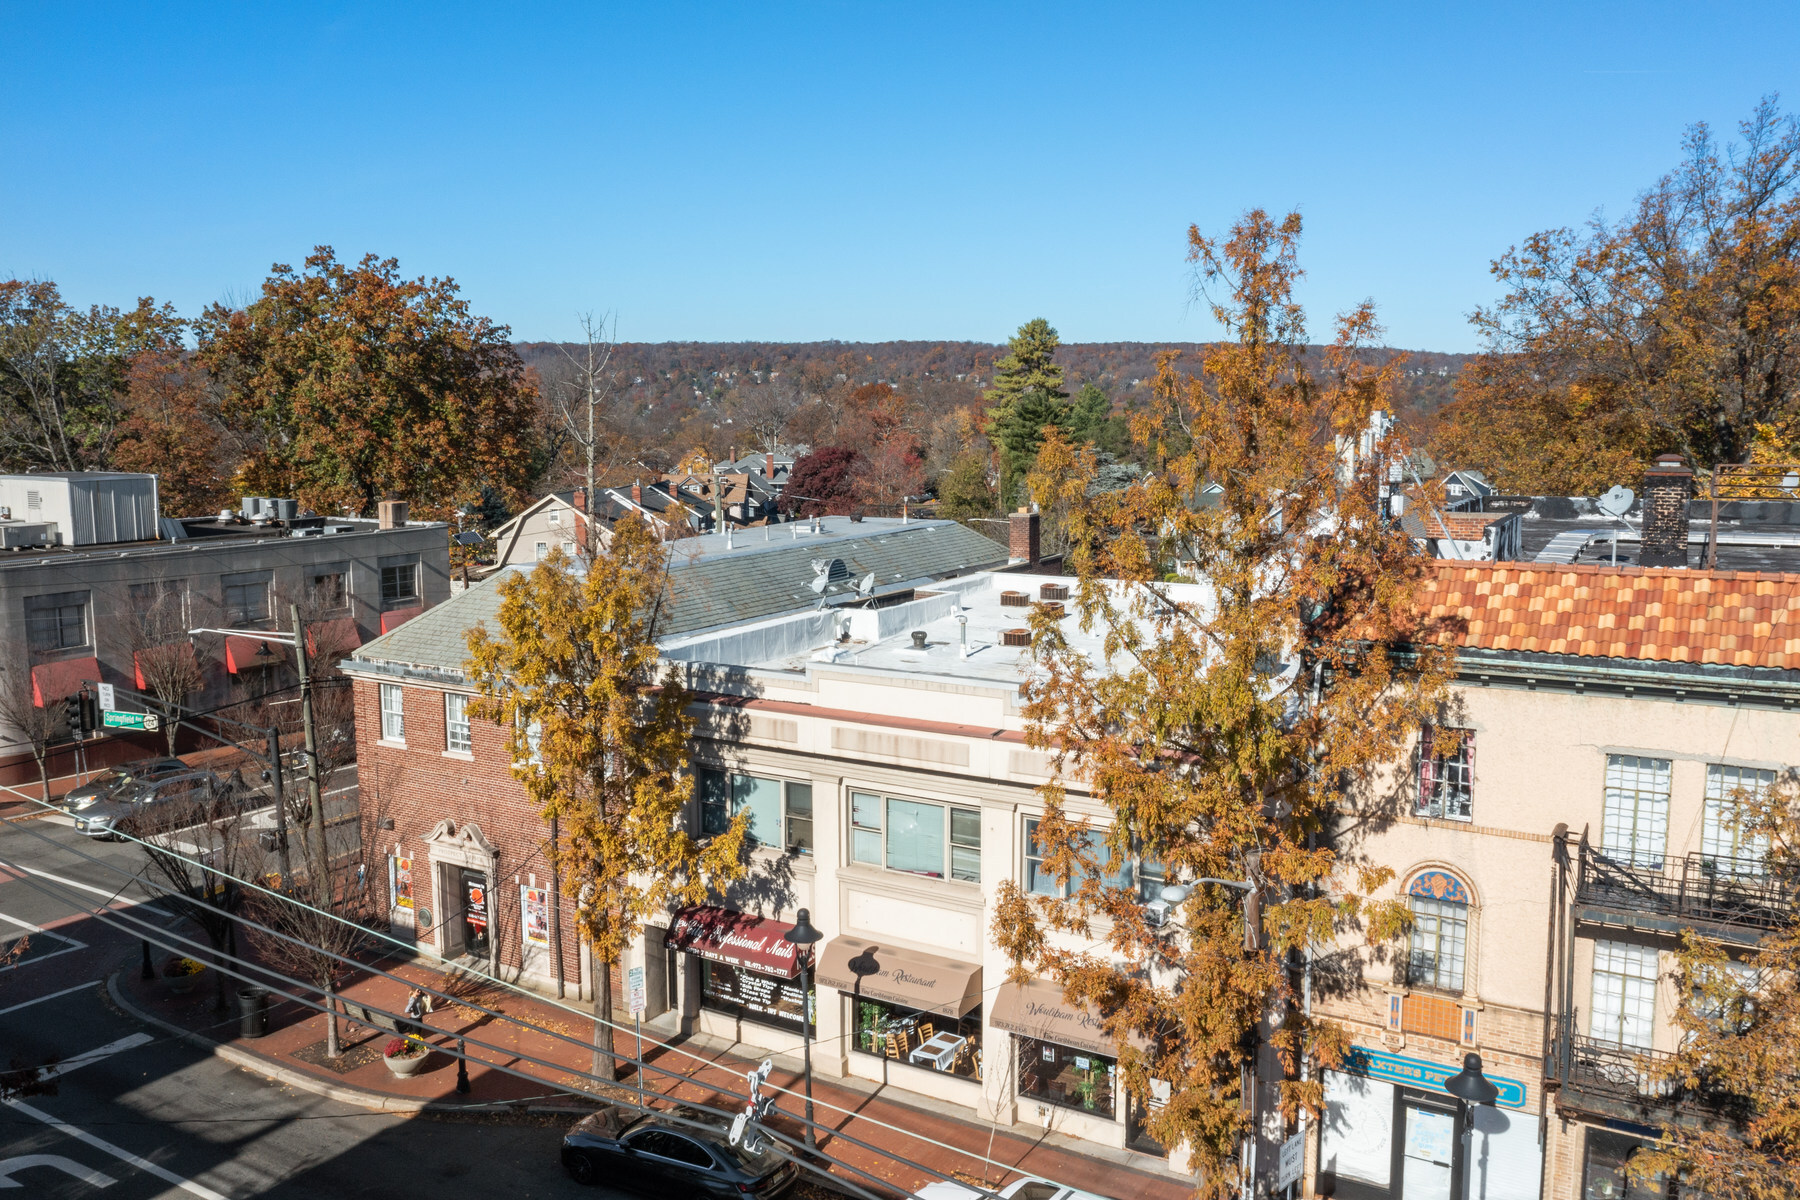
(1037, 1010)
(735, 938)
(1422, 1073)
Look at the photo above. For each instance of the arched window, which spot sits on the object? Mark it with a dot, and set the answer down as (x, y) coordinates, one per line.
(1440, 932)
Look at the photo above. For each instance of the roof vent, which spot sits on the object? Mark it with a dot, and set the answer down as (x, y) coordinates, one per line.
(1015, 637)
(1054, 608)
(918, 637)
(1014, 600)
(1053, 591)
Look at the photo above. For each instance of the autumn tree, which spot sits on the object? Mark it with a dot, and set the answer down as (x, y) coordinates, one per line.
(39, 726)
(821, 482)
(1741, 1047)
(1223, 728)
(1675, 330)
(351, 384)
(161, 650)
(62, 374)
(170, 428)
(1026, 396)
(764, 410)
(963, 491)
(889, 474)
(601, 743)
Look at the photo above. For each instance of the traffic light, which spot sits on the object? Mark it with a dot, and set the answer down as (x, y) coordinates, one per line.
(90, 711)
(72, 713)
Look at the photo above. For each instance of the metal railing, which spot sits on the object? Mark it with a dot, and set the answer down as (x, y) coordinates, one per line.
(1698, 891)
(1603, 1078)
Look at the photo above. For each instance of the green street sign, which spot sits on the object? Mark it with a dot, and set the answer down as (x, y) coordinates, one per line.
(113, 719)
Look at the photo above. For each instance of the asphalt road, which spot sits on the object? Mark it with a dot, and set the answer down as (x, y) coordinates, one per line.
(160, 1118)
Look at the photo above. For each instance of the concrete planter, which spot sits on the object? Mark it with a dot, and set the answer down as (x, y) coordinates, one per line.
(405, 1066)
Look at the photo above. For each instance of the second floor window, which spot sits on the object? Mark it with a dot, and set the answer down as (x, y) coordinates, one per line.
(56, 622)
(456, 723)
(399, 581)
(1624, 994)
(246, 599)
(1439, 946)
(1041, 881)
(1636, 827)
(781, 813)
(1446, 773)
(329, 591)
(393, 713)
(917, 837)
(1726, 845)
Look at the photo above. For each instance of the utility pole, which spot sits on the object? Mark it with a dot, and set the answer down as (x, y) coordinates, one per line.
(281, 830)
(312, 750)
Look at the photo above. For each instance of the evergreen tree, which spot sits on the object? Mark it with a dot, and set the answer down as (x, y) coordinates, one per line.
(1027, 396)
(1090, 414)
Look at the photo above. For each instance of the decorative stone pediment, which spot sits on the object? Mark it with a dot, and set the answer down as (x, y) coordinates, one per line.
(467, 845)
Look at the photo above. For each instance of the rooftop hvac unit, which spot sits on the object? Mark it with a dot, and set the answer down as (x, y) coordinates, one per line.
(252, 508)
(1157, 913)
(285, 510)
(22, 535)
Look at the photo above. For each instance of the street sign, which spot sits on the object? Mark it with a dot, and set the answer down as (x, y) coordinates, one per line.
(634, 987)
(113, 719)
(1293, 1161)
(106, 696)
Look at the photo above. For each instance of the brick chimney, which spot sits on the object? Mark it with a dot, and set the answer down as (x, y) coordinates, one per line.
(1022, 538)
(579, 500)
(637, 492)
(769, 466)
(390, 514)
(1667, 486)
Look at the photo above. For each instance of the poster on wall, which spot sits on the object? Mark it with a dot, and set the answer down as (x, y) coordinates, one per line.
(400, 881)
(535, 904)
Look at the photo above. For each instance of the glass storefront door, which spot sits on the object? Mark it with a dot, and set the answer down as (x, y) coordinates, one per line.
(1429, 1151)
(476, 913)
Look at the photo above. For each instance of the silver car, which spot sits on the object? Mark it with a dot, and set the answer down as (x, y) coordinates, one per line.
(147, 807)
(115, 781)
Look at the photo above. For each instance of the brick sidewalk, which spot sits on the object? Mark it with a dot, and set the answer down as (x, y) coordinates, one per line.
(295, 1043)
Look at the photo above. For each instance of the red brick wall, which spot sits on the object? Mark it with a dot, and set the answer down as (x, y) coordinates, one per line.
(418, 786)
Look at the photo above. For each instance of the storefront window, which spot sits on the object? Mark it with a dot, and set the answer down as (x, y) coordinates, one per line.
(1077, 1079)
(929, 1040)
(752, 995)
(1603, 1174)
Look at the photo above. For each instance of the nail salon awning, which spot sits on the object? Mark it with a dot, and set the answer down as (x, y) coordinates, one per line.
(1037, 1009)
(52, 681)
(738, 939)
(909, 978)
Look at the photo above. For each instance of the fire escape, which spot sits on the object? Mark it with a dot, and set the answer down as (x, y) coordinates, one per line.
(1735, 902)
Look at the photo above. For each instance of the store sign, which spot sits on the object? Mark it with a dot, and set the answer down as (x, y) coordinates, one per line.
(534, 905)
(475, 906)
(635, 991)
(1422, 1073)
(736, 938)
(752, 991)
(400, 882)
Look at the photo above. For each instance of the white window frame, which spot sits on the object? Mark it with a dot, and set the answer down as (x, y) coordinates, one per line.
(1438, 947)
(963, 867)
(1446, 783)
(1624, 991)
(555, 518)
(540, 551)
(797, 807)
(458, 733)
(1726, 846)
(1123, 878)
(1636, 826)
(393, 714)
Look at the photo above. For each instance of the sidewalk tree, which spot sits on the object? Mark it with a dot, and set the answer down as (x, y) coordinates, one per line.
(39, 726)
(1742, 1043)
(1223, 736)
(164, 657)
(599, 743)
(349, 383)
(583, 395)
(1027, 395)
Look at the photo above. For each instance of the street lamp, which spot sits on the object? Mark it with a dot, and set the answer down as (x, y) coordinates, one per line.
(1471, 1088)
(804, 936)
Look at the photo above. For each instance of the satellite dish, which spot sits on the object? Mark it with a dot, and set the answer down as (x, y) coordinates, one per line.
(819, 584)
(867, 585)
(1617, 502)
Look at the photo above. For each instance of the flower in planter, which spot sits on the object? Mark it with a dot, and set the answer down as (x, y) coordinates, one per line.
(181, 968)
(404, 1047)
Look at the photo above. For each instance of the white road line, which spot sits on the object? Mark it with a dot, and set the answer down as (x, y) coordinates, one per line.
(53, 995)
(74, 883)
(72, 946)
(126, 1156)
(130, 1042)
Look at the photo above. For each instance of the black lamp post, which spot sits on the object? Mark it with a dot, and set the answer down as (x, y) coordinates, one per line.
(804, 936)
(1471, 1088)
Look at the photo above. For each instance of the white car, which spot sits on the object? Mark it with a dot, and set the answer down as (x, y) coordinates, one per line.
(1018, 1189)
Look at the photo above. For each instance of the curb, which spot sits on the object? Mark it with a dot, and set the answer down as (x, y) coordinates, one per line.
(300, 1080)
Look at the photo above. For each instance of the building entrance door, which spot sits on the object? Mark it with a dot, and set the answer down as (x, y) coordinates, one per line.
(476, 913)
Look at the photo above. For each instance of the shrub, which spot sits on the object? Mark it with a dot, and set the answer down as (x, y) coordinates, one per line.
(181, 968)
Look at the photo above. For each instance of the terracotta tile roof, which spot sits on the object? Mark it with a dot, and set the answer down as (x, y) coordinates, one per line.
(1739, 618)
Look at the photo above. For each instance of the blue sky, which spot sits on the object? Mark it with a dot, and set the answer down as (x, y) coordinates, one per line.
(856, 171)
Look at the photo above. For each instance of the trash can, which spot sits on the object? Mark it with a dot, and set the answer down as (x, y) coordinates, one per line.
(253, 1012)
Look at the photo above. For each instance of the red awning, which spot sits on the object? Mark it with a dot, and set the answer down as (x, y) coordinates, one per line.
(52, 681)
(241, 652)
(177, 650)
(728, 936)
(339, 635)
(391, 621)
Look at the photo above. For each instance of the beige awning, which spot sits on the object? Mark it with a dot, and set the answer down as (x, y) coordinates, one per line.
(909, 978)
(1037, 1009)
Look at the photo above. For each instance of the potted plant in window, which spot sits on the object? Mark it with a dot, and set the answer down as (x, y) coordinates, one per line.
(182, 974)
(405, 1055)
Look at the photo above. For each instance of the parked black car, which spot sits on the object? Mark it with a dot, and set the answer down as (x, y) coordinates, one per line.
(652, 1153)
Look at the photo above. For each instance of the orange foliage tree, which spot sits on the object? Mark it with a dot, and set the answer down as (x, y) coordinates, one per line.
(1223, 737)
(1677, 330)
(171, 428)
(351, 383)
